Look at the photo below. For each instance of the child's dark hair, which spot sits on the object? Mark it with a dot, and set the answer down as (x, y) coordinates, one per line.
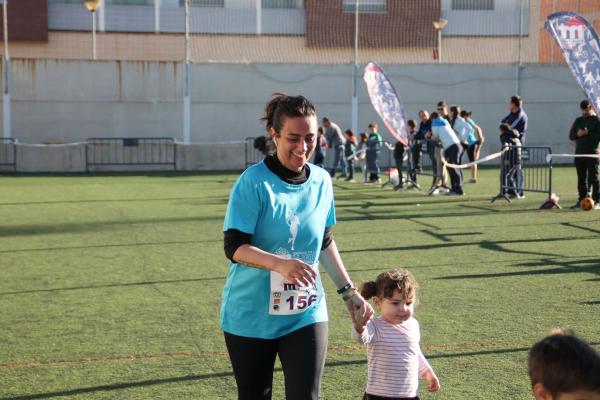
(412, 123)
(563, 363)
(282, 106)
(364, 137)
(349, 132)
(389, 281)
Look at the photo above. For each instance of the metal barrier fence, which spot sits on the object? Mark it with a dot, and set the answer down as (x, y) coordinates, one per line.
(252, 154)
(131, 151)
(8, 154)
(525, 169)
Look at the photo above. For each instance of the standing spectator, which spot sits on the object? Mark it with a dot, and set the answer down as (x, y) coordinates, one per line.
(463, 129)
(277, 230)
(585, 132)
(361, 155)
(336, 141)
(440, 129)
(517, 119)
(474, 148)
(442, 110)
(374, 144)
(511, 161)
(418, 140)
(349, 151)
(320, 149)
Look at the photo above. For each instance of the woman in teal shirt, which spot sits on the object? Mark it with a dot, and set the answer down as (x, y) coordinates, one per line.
(277, 231)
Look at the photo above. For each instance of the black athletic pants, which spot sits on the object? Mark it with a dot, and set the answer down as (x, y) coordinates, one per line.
(587, 175)
(302, 355)
(452, 155)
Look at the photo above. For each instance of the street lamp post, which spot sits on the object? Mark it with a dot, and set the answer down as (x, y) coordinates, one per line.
(5, 81)
(355, 71)
(92, 6)
(439, 25)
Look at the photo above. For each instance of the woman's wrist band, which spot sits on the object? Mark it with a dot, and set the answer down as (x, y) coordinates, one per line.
(348, 294)
(345, 288)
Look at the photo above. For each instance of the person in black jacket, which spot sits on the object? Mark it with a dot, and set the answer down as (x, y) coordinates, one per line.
(585, 133)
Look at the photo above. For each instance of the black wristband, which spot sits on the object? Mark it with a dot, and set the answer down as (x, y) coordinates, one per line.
(344, 288)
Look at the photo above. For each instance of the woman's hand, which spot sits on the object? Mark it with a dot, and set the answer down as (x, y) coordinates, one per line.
(296, 271)
(360, 310)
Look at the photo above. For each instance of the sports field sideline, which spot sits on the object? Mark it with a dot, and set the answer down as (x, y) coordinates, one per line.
(111, 284)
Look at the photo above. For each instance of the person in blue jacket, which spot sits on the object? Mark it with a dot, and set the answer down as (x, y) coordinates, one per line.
(277, 230)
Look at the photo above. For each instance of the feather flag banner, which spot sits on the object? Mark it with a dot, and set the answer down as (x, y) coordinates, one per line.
(579, 44)
(386, 102)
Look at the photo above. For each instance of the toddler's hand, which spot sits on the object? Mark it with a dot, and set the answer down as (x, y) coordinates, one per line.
(433, 383)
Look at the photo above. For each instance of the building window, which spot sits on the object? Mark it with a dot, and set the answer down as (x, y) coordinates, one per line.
(470, 5)
(204, 3)
(129, 2)
(365, 6)
(282, 3)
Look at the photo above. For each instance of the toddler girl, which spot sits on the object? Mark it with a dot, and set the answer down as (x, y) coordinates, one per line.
(395, 361)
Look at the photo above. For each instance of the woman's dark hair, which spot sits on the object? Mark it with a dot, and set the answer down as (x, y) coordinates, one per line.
(563, 363)
(364, 137)
(282, 106)
(412, 123)
(387, 282)
(434, 115)
(349, 132)
(465, 113)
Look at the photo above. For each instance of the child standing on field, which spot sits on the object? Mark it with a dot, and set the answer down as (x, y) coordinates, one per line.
(395, 360)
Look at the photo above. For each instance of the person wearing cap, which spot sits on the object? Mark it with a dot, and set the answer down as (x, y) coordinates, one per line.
(585, 135)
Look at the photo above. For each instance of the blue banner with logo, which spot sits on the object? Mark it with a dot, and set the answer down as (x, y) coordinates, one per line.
(386, 102)
(579, 44)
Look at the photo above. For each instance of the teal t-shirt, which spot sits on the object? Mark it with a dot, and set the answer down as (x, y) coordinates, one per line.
(283, 219)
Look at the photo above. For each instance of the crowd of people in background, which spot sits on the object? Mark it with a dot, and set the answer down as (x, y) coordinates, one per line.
(448, 133)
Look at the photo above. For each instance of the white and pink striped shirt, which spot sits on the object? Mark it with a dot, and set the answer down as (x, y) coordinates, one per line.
(394, 357)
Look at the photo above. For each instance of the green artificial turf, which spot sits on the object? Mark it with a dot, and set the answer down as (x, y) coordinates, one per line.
(110, 284)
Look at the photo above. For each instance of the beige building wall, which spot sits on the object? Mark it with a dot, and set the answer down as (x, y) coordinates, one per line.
(292, 49)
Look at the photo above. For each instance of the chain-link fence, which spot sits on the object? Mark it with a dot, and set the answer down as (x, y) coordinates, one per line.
(298, 31)
(475, 53)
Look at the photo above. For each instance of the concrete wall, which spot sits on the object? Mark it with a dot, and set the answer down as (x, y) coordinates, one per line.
(56, 101)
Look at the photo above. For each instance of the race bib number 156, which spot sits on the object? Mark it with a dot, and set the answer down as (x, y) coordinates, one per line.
(288, 298)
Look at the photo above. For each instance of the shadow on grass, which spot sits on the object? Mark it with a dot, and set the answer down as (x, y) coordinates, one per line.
(113, 285)
(495, 247)
(445, 237)
(229, 374)
(216, 201)
(591, 303)
(367, 216)
(561, 267)
(30, 230)
(585, 228)
(102, 246)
